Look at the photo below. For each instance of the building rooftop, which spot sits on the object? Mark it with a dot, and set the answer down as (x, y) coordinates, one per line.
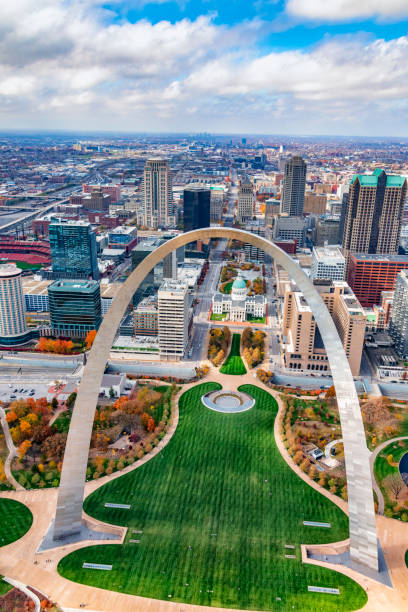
(74, 285)
(379, 257)
(174, 286)
(9, 270)
(370, 180)
(324, 253)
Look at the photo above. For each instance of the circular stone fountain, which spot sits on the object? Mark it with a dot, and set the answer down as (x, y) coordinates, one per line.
(228, 401)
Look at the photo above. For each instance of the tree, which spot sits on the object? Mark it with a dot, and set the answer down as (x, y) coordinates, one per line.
(23, 448)
(111, 393)
(54, 403)
(90, 337)
(394, 482)
(331, 392)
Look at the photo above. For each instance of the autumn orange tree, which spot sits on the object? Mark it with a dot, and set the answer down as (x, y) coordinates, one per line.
(90, 337)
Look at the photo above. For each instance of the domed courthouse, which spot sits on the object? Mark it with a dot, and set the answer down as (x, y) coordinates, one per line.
(238, 304)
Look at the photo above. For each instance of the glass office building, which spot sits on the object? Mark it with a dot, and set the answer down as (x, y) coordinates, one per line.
(73, 250)
(75, 307)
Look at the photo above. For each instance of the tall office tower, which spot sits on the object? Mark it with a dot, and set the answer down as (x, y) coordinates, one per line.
(245, 200)
(196, 207)
(327, 263)
(252, 253)
(375, 205)
(173, 319)
(398, 319)
(293, 195)
(73, 250)
(13, 328)
(75, 307)
(157, 194)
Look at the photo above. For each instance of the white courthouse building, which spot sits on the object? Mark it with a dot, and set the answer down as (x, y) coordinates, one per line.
(238, 304)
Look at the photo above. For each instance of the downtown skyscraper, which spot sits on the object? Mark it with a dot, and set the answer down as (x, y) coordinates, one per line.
(158, 210)
(372, 221)
(293, 195)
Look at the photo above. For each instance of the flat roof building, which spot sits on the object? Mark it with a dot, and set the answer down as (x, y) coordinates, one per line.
(370, 274)
(327, 263)
(75, 307)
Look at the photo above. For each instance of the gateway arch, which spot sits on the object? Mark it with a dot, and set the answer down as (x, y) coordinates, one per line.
(68, 518)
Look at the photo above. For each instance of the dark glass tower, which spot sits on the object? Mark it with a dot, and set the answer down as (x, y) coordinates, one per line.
(293, 196)
(196, 208)
(75, 307)
(73, 250)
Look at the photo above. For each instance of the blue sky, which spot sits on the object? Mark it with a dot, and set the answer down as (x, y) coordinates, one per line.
(270, 66)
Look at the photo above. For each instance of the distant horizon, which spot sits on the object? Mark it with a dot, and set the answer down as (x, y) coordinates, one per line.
(195, 134)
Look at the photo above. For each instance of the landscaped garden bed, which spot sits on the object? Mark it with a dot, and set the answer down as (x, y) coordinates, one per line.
(218, 344)
(253, 346)
(123, 432)
(213, 514)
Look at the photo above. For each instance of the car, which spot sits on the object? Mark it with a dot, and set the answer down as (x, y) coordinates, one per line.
(31, 393)
(13, 396)
(21, 390)
(15, 390)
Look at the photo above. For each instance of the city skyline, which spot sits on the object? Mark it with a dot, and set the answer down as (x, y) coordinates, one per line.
(168, 66)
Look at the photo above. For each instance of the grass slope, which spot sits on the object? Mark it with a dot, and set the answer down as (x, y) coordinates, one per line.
(220, 474)
(234, 364)
(5, 587)
(16, 520)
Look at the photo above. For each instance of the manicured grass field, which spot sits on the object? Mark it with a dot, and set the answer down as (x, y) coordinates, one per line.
(252, 319)
(218, 317)
(216, 508)
(5, 587)
(16, 520)
(381, 466)
(234, 363)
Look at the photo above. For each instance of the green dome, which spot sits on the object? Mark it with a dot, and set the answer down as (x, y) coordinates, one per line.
(239, 283)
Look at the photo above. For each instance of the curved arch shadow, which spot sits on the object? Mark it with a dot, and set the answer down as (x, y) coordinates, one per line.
(363, 536)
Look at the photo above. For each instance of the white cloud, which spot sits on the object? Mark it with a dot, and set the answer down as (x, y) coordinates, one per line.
(65, 63)
(343, 10)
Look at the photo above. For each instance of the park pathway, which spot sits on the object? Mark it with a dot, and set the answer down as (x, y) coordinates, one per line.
(376, 487)
(12, 452)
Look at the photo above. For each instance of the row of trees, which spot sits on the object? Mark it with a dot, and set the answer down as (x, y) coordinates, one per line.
(218, 344)
(253, 344)
(48, 345)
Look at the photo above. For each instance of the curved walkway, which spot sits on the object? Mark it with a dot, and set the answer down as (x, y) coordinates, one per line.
(24, 589)
(12, 452)
(21, 560)
(376, 486)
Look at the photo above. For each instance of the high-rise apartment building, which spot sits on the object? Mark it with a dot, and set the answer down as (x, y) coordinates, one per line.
(375, 205)
(327, 263)
(398, 327)
(173, 319)
(304, 348)
(75, 307)
(196, 207)
(246, 200)
(157, 194)
(293, 195)
(73, 250)
(13, 328)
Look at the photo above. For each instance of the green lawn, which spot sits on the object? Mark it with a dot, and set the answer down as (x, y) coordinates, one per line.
(16, 520)
(227, 288)
(216, 508)
(5, 587)
(24, 265)
(253, 319)
(234, 363)
(218, 317)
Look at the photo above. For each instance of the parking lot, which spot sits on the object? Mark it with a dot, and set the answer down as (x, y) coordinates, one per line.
(12, 391)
